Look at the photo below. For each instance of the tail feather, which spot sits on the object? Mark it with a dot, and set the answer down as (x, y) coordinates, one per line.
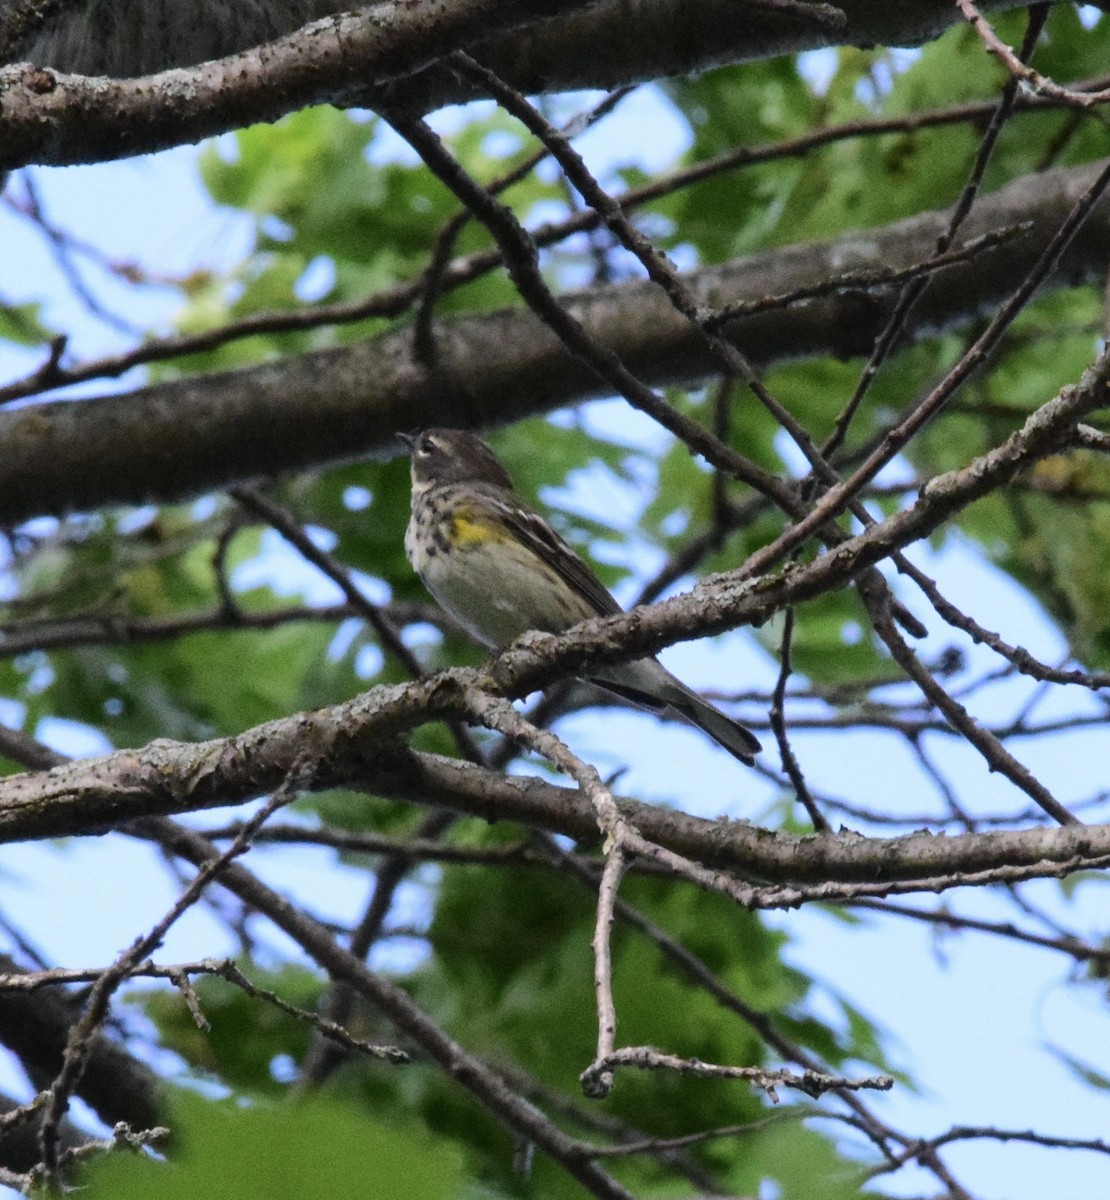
(739, 741)
(650, 685)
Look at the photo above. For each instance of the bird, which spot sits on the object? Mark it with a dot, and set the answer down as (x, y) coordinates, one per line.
(499, 569)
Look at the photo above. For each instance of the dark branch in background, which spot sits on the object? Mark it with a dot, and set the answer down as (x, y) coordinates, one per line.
(177, 439)
(952, 922)
(436, 274)
(99, 628)
(393, 302)
(116, 1085)
(962, 1133)
(64, 260)
(994, 753)
(83, 37)
(1020, 658)
(790, 762)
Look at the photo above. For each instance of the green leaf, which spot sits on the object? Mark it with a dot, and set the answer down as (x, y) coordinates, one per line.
(20, 323)
(282, 1151)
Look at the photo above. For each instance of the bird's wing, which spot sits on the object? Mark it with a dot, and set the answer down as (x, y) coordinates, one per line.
(536, 533)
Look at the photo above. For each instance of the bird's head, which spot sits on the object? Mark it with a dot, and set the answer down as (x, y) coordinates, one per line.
(442, 456)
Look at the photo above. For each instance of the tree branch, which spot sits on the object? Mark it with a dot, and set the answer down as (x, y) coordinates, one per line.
(54, 119)
(484, 1085)
(111, 788)
(46, 118)
(179, 438)
(118, 1086)
(353, 744)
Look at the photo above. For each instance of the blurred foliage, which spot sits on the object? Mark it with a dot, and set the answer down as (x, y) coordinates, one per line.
(283, 1151)
(340, 212)
(21, 324)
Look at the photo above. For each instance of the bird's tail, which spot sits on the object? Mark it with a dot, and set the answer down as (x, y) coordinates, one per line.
(649, 684)
(739, 741)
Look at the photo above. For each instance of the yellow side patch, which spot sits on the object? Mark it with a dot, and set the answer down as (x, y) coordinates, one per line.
(466, 531)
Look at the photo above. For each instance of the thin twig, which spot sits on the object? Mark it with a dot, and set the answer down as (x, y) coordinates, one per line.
(777, 714)
(603, 966)
(812, 1083)
(996, 755)
(80, 1042)
(913, 292)
(1020, 71)
(432, 279)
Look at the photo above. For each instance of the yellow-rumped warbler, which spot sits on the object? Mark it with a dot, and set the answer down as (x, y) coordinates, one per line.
(500, 569)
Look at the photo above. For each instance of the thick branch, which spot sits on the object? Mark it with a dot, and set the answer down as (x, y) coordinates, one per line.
(51, 119)
(180, 438)
(606, 45)
(83, 796)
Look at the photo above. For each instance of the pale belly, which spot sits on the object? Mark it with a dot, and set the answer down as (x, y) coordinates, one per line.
(498, 592)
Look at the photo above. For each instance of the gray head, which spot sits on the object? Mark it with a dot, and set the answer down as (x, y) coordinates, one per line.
(453, 456)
